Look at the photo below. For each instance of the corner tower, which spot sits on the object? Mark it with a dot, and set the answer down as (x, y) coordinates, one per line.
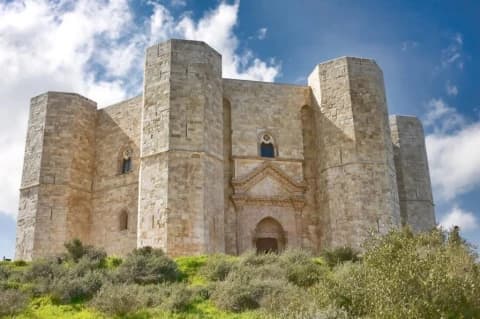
(356, 180)
(413, 177)
(55, 194)
(181, 196)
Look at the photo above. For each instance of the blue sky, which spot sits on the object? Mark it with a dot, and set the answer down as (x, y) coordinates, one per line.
(428, 51)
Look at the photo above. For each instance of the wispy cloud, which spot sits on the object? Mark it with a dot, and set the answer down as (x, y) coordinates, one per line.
(262, 33)
(178, 3)
(443, 118)
(408, 45)
(451, 89)
(453, 54)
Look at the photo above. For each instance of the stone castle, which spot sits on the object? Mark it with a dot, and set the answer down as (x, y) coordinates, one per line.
(202, 164)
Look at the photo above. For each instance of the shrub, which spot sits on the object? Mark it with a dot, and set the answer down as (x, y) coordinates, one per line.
(42, 268)
(122, 299)
(40, 275)
(217, 267)
(237, 295)
(147, 266)
(246, 285)
(12, 302)
(177, 297)
(411, 276)
(294, 302)
(5, 271)
(251, 258)
(75, 286)
(77, 251)
(118, 300)
(300, 268)
(339, 255)
(19, 263)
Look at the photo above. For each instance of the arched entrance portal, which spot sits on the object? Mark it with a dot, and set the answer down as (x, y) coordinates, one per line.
(269, 236)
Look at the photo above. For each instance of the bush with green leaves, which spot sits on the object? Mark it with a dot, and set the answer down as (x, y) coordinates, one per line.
(76, 251)
(217, 267)
(12, 302)
(119, 299)
(176, 297)
(293, 302)
(147, 266)
(336, 256)
(411, 276)
(5, 271)
(123, 299)
(301, 269)
(251, 258)
(252, 278)
(40, 275)
(76, 286)
(237, 295)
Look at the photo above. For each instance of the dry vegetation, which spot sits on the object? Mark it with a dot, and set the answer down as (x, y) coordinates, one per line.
(401, 275)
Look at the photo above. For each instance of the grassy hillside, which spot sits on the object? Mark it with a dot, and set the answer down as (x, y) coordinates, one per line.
(400, 275)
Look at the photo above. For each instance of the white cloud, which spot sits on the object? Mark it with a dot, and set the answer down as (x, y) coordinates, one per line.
(453, 54)
(178, 3)
(454, 161)
(262, 33)
(442, 117)
(216, 29)
(408, 45)
(48, 46)
(452, 89)
(458, 217)
(94, 48)
(453, 151)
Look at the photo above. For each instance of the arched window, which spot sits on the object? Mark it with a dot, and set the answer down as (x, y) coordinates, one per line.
(123, 220)
(126, 161)
(267, 147)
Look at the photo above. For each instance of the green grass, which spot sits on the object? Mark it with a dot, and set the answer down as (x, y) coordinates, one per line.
(45, 308)
(190, 266)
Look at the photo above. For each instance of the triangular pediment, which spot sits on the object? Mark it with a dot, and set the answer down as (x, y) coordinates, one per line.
(268, 187)
(268, 180)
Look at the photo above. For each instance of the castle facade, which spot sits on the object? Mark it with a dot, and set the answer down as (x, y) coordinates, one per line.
(202, 164)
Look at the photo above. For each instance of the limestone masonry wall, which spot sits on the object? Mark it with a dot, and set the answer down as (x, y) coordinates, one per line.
(55, 196)
(200, 164)
(116, 193)
(413, 178)
(356, 187)
(181, 209)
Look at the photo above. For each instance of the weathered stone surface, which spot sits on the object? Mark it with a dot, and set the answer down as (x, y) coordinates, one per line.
(356, 181)
(56, 189)
(181, 205)
(413, 178)
(116, 193)
(180, 167)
